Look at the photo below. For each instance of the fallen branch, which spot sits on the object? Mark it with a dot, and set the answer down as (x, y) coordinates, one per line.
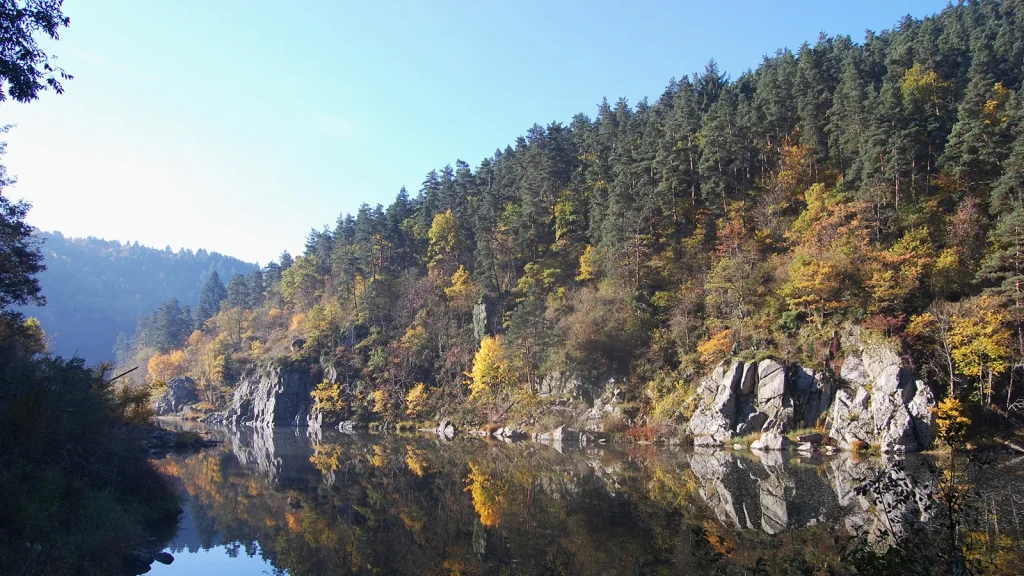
(1013, 446)
(125, 373)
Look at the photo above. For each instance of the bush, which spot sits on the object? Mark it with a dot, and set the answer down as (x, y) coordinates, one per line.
(72, 478)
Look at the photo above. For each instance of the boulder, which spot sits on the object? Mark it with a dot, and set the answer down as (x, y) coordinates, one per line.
(813, 438)
(853, 371)
(179, 393)
(750, 378)
(896, 415)
(770, 441)
(850, 420)
(446, 429)
(560, 434)
(921, 409)
(771, 386)
(712, 422)
(163, 558)
(806, 447)
(754, 423)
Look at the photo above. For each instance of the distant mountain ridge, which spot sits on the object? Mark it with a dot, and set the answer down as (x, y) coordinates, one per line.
(96, 289)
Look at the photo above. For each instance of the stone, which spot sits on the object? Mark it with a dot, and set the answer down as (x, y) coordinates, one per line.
(921, 410)
(560, 383)
(771, 385)
(813, 395)
(813, 438)
(139, 562)
(446, 429)
(179, 393)
(749, 379)
(895, 415)
(806, 447)
(163, 557)
(712, 422)
(754, 423)
(770, 441)
(852, 371)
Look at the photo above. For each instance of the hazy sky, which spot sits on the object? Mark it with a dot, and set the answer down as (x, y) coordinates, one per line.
(237, 126)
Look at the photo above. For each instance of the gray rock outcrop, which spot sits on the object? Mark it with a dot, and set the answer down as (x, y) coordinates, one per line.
(881, 404)
(742, 398)
(875, 400)
(272, 395)
(179, 393)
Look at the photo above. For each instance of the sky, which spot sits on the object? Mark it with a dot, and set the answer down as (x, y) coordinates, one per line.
(237, 126)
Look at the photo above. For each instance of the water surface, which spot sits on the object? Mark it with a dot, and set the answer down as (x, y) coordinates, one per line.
(276, 502)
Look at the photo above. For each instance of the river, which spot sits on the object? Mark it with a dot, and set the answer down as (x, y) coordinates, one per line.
(275, 502)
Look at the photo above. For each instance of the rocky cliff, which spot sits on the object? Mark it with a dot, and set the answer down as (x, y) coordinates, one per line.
(271, 395)
(179, 393)
(874, 400)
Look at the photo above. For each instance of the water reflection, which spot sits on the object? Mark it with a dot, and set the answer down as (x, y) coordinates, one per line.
(353, 504)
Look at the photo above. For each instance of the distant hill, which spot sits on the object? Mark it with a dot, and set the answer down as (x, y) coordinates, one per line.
(97, 288)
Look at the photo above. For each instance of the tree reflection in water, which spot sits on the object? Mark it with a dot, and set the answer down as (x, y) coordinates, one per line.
(389, 504)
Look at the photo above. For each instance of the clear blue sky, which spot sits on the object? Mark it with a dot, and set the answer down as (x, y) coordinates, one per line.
(237, 126)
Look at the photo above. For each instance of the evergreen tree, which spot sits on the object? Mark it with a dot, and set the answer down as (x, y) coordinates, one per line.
(238, 292)
(210, 298)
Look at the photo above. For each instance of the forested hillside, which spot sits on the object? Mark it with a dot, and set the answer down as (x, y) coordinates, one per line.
(875, 184)
(96, 289)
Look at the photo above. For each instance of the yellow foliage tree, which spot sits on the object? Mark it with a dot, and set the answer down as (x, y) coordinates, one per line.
(416, 399)
(328, 398)
(323, 326)
(813, 287)
(381, 402)
(900, 271)
(587, 271)
(463, 291)
(924, 86)
(951, 422)
(442, 234)
(492, 368)
(717, 348)
(415, 338)
(163, 367)
(981, 341)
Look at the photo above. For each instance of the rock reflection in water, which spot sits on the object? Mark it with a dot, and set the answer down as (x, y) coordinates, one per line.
(352, 504)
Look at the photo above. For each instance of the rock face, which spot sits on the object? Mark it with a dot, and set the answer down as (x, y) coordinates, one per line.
(559, 383)
(272, 395)
(875, 400)
(881, 404)
(179, 393)
(742, 398)
(715, 419)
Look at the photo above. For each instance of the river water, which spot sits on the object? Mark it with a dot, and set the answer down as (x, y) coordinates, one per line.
(275, 502)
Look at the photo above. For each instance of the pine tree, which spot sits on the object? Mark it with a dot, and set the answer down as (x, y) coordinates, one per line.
(238, 291)
(212, 295)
